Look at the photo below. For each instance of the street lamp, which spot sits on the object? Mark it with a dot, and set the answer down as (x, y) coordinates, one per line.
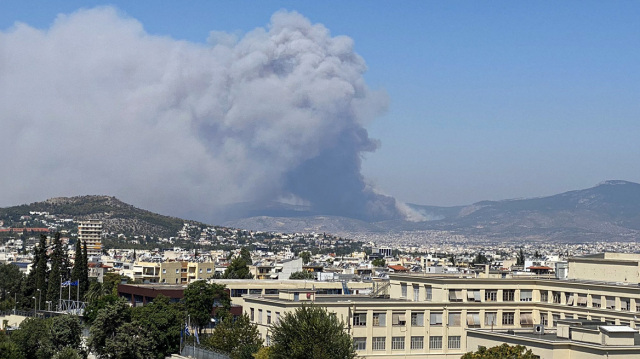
(48, 305)
(39, 298)
(35, 303)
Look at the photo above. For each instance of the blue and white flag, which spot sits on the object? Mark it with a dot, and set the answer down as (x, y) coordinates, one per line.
(186, 330)
(70, 283)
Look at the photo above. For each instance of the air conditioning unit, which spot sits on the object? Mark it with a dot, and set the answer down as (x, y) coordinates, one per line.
(538, 329)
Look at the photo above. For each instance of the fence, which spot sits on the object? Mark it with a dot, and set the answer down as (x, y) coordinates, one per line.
(199, 353)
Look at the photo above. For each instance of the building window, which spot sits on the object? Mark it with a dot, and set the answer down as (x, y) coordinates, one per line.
(526, 295)
(208, 270)
(417, 342)
(453, 342)
(555, 318)
(399, 319)
(403, 288)
(417, 319)
(526, 319)
(611, 303)
(255, 291)
(508, 295)
(435, 318)
(200, 270)
(569, 299)
(473, 320)
(454, 319)
(277, 317)
(625, 303)
(268, 317)
(416, 293)
(397, 343)
(177, 271)
(378, 343)
(360, 319)
(557, 297)
(268, 341)
(508, 318)
(596, 301)
(582, 300)
(164, 271)
(360, 343)
(490, 295)
(260, 316)
(429, 293)
(379, 319)
(473, 295)
(544, 296)
(252, 314)
(435, 342)
(544, 319)
(455, 295)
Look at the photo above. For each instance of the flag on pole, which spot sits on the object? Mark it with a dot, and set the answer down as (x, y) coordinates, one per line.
(66, 284)
(195, 332)
(186, 330)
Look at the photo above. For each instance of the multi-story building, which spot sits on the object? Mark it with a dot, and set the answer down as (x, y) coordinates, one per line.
(440, 316)
(182, 272)
(90, 233)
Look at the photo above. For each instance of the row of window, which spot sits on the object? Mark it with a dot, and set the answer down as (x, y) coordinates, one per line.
(252, 316)
(436, 319)
(184, 270)
(398, 343)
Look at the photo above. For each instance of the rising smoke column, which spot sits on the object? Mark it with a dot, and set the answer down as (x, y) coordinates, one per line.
(95, 105)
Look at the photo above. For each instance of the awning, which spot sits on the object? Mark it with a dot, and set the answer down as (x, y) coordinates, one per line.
(473, 319)
(596, 301)
(582, 300)
(455, 294)
(570, 300)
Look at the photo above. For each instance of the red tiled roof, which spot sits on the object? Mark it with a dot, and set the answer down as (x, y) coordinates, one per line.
(398, 268)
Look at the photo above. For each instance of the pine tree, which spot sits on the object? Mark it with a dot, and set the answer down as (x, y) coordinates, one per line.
(84, 280)
(41, 271)
(77, 272)
(55, 275)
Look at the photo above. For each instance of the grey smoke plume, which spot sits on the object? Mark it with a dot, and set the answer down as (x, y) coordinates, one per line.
(95, 105)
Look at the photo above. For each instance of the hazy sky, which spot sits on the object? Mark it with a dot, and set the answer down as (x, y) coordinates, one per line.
(463, 101)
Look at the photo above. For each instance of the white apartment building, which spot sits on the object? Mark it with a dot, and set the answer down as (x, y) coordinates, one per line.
(90, 232)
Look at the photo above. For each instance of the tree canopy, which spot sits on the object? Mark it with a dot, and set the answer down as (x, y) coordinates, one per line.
(199, 300)
(500, 352)
(302, 275)
(240, 338)
(310, 332)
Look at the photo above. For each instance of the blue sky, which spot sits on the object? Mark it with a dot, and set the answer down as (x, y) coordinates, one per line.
(487, 100)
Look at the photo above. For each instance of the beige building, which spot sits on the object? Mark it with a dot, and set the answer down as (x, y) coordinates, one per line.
(182, 272)
(439, 316)
(90, 232)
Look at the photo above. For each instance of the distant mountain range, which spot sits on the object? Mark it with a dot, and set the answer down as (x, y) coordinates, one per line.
(609, 211)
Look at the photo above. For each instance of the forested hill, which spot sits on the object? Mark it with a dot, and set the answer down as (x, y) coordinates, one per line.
(117, 216)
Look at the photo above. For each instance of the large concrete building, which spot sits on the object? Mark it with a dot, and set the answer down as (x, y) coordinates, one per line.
(440, 316)
(90, 233)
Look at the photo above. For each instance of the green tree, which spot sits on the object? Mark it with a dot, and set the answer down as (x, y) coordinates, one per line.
(55, 274)
(378, 262)
(238, 269)
(481, 259)
(34, 338)
(93, 308)
(163, 320)
(302, 275)
(68, 353)
(77, 272)
(199, 299)
(9, 350)
(310, 332)
(12, 281)
(41, 272)
(66, 331)
(306, 257)
(84, 278)
(130, 341)
(105, 327)
(520, 258)
(246, 255)
(501, 352)
(240, 338)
